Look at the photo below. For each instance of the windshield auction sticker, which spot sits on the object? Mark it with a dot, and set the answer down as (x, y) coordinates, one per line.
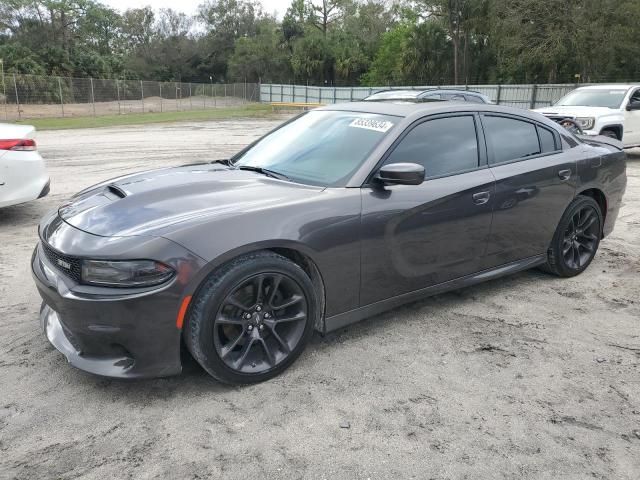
(370, 124)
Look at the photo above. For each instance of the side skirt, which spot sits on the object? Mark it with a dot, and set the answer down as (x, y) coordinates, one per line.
(353, 316)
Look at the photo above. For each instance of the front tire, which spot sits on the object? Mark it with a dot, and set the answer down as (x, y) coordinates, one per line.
(610, 134)
(576, 239)
(251, 318)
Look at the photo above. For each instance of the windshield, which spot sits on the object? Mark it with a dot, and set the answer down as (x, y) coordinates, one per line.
(320, 147)
(610, 98)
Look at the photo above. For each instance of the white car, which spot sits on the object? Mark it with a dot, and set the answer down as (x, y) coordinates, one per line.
(23, 176)
(610, 110)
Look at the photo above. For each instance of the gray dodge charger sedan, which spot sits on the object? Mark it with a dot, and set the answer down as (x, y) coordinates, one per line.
(337, 215)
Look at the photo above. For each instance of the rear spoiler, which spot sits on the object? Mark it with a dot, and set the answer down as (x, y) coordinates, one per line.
(600, 140)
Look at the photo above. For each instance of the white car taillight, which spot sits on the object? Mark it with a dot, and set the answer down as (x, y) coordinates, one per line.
(18, 144)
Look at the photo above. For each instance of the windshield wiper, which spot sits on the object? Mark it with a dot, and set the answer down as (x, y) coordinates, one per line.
(264, 171)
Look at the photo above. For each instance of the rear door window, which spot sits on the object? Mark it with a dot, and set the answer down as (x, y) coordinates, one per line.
(510, 139)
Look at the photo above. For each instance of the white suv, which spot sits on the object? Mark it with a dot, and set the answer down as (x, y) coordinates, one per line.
(611, 110)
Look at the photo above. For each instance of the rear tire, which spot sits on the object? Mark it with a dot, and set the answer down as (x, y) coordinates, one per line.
(576, 239)
(251, 318)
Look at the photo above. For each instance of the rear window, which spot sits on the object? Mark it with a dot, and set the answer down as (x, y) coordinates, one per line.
(510, 139)
(547, 140)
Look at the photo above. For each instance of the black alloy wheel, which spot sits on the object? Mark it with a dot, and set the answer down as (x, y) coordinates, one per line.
(260, 322)
(576, 239)
(581, 238)
(252, 318)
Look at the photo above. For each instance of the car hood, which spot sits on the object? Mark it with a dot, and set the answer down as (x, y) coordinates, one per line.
(144, 203)
(576, 111)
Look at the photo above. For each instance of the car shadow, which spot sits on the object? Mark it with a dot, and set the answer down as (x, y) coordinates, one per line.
(195, 381)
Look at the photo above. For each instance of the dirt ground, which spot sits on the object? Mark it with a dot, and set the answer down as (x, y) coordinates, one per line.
(527, 377)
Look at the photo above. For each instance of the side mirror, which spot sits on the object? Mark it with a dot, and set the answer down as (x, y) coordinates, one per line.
(633, 106)
(401, 174)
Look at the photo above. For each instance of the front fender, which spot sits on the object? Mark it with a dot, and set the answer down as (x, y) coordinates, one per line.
(324, 228)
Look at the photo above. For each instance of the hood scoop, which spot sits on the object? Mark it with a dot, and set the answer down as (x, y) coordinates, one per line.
(115, 190)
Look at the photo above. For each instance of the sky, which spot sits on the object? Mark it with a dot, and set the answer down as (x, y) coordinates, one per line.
(190, 6)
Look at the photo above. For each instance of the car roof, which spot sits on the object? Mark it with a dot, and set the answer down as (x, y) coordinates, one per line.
(428, 108)
(383, 94)
(612, 86)
(411, 112)
(411, 93)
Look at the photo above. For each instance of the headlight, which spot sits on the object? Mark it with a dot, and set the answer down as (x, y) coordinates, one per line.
(586, 123)
(134, 273)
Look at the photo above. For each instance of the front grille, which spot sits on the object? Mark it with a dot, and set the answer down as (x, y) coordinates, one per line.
(70, 266)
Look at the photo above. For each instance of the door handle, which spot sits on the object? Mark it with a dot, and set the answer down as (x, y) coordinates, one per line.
(564, 175)
(481, 198)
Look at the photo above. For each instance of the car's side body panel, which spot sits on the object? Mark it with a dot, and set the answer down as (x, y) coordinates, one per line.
(530, 199)
(602, 167)
(353, 316)
(417, 236)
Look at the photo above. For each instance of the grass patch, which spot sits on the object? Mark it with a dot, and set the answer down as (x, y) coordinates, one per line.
(252, 111)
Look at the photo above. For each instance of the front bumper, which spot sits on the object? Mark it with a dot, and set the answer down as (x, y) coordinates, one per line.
(109, 366)
(591, 132)
(123, 333)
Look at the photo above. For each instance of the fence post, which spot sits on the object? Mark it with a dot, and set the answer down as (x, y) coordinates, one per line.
(351, 95)
(215, 102)
(306, 94)
(177, 100)
(225, 91)
(270, 92)
(534, 94)
(498, 94)
(15, 87)
(142, 95)
(281, 93)
(4, 93)
(245, 90)
(160, 86)
(118, 93)
(61, 101)
(93, 98)
(190, 100)
(204, 95)
(334, 94)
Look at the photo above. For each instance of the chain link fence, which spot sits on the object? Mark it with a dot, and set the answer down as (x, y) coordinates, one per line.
(522, 96)
(34, 96)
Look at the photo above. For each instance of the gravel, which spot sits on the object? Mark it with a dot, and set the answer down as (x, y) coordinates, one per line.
(525, 377)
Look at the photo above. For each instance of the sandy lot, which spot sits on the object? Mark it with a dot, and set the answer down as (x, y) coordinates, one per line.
(525, 377)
